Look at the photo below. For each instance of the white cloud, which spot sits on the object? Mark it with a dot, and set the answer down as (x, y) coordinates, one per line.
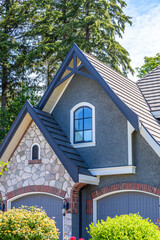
(143, 37)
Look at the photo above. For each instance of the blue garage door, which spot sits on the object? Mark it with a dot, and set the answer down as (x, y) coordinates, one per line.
(128, 202)
(52, 206)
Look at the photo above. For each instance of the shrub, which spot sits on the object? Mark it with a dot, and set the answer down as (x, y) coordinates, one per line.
(125, 227)
(27, 223)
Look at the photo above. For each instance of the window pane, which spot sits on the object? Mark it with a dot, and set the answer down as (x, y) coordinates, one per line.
(88, 124)
(88, 136)
(78, 125)
(87, 112)
(35, 151)
(79, 136)
(79, 113)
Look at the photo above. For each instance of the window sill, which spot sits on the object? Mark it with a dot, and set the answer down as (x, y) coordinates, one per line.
(35, 161)
(87, 144)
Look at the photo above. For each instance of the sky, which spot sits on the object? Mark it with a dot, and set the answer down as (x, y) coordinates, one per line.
(143, 37)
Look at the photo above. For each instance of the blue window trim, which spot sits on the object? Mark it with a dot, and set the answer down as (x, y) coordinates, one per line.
(72, 111)
(83, 130)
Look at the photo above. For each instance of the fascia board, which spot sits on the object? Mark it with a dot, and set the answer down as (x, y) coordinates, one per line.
(70, 166)
(13, 129)
(156, 114)
(58, 75)
(131, 116)
(89, 179)
(149, 138)
(113, 171)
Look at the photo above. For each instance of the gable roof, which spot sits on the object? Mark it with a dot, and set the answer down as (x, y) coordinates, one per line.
(150, 88)
(123, 92)
(54, 135)
(75, 52)
(129, 92)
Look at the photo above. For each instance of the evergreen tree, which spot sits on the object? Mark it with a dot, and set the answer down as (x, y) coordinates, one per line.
(15, 45)
(16, 66)
(35, 37)
(93, 25)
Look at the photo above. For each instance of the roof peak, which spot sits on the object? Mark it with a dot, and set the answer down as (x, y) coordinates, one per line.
(152, 71)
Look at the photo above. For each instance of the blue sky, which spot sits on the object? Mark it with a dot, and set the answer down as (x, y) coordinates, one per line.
(143, 37)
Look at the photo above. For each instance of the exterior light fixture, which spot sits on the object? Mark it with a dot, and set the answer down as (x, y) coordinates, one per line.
(2, 206)
(65, 207)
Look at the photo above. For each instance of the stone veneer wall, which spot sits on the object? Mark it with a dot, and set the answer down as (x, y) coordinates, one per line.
(50, 172)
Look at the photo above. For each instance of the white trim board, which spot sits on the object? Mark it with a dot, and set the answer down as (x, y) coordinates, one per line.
(62, 91)
(130, 130)
(113, 171)
(9, 201)
(155, 146)
(95, 200)
(85, 144)
(89, 179)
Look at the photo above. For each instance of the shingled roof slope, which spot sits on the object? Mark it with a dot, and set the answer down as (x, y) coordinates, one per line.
(150, 88)
(62, 141)
(129, 92)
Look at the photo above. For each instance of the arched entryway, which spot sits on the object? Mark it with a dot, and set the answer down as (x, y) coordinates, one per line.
(124, 199)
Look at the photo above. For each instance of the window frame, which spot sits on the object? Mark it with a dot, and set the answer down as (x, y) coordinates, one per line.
(35, 144)
(72, 120)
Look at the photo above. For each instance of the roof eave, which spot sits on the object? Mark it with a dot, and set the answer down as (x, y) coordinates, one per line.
(27, 108)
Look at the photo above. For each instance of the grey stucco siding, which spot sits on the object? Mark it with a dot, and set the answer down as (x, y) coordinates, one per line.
(147, 172)
(110, 124)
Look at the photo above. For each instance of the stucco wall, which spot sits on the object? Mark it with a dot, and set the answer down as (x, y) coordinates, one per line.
(48, 173)
(111, 125)
(147, 172)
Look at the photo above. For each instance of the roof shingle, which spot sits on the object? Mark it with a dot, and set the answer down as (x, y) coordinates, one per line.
(129, 92)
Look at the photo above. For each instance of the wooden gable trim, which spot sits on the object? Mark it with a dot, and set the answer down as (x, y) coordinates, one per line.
(131, 116)
(8, 142)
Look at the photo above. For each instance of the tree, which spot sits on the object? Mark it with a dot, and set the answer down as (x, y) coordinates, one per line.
(35, 37)
(149, 64)
(13, 107)
(16, 42)
(17, 83)
(93, 25)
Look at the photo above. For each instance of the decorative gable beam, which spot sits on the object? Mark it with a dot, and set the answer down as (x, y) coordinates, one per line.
(74, 54)
(65, 78)
(76, 70)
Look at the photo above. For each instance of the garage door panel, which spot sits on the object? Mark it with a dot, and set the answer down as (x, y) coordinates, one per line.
(111, 207)
(52, 206)
(145, 204)
(128, 202)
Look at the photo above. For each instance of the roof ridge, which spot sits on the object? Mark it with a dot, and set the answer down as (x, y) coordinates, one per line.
(153, 70)
(113, 70)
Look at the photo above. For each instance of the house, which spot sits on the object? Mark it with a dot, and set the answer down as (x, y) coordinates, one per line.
(93, 139)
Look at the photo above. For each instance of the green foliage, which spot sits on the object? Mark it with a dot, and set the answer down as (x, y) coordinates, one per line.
(3, 166)
(27, 223)
(126, 227)
(149, 64)
(14, 106)
(35, 37)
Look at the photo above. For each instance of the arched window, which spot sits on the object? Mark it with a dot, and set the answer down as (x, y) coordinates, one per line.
(82, 125)
(35, 153)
